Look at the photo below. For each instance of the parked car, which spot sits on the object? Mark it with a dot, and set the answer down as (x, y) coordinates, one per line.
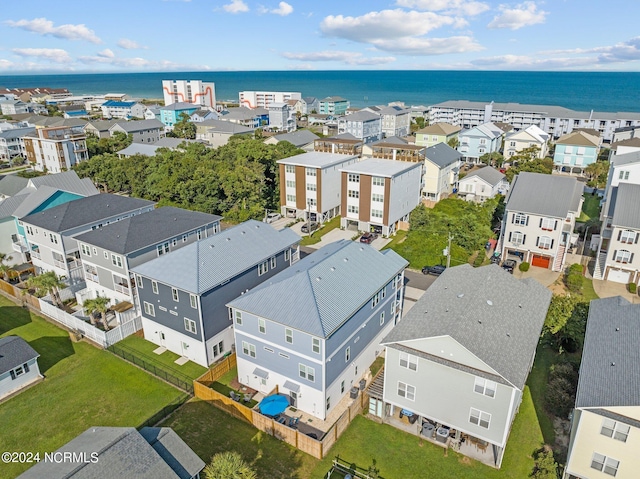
(509, 265)
(271, 217)
(309, 227)
(436, 270)
(368, 238)
(495, 257)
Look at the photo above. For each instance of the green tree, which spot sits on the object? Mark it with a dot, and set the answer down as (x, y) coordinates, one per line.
(561, 389)
(597, 173)
(184, 128)
(98, 305)
(574, 279)
(528, 154)
(544, 166)
(47, 283)
(5, 269)
(546, 466)
(492, 159)
(453, 142)
(100, 146)
(559, 312)
(229, 465)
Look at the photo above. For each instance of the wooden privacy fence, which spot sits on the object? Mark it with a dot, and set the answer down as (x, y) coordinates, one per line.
(16, 292)
(317, 448)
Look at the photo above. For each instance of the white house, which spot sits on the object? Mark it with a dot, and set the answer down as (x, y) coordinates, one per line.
(18, 365)
(516, 141)
(483, 184)
(442, 164)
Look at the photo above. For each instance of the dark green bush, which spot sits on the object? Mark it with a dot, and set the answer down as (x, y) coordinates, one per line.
(632, 288)
(524, 267)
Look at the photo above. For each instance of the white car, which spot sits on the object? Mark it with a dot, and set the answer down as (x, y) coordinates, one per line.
(271, 217)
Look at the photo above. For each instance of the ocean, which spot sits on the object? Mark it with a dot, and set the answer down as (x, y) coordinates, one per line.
(583, 91)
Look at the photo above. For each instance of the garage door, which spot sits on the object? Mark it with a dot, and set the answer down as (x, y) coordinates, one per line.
(540, 261)
(618, 276)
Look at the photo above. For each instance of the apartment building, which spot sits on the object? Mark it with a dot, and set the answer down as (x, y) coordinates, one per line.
(363, 125)
(12, 142)
(262, 99)
(333, 105)
(189, 91)
(56, 149)
(282, 117)
(122, 109)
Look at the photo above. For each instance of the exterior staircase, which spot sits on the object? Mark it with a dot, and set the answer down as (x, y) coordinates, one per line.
(559, 260)
(598, 270)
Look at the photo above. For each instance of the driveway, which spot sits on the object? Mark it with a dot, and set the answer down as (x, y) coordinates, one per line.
(332, 236)
(608, 289)
(545, 277)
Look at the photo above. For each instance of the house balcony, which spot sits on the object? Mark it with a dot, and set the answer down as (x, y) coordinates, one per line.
(91, 276)
(19, 245)
(121, 288)
(35, 253)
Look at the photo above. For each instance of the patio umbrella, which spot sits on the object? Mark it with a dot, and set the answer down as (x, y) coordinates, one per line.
(273, 405)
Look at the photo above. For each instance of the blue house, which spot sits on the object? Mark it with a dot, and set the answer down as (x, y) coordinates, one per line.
(479, 140)
(170, 114)
(575, 151)
(314, 329)
(183, 294)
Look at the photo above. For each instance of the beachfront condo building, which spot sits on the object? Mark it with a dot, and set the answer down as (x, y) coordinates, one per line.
(189, 91)
(262, 99)
(56, 149)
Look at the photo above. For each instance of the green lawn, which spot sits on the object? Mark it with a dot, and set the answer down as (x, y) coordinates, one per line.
(318, 234)
(590, 208)
(166, 361)
(83, 387)
(426, 250)
(399, 237)
(588, 293)
(537, 382)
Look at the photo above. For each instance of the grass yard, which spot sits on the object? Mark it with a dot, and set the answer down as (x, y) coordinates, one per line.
(166, 361)
(84, 387)
(590, 208)
(318, 234)
(588, 293)
(398, 238)
(208, 430)
(537, 382)
(422, 250)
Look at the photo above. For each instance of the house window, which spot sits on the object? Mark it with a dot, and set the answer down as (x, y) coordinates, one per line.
(238, 315)
(377, 181)
(193, 300)
(174, 294)
(262, 325)
(342, 387)
(520, 219)
(480, 418)
(544, 242)
(353, 193)
(312, 202)
(307, 372)
(291, 198)
(29, 229)
(85, 249)
(381, 318)
(139, 281)
(290, 183)
(249, 349)
(347, 354)
(409, 361)
(627, 236)
(53, 238)
(328, 403)
(376, 213)
(269, 350)
(486, 387)
(288, 335)
(273, 262)
(512, 143)
(287, 254)
(623, 175)
(375, 300)
(614, 429)
(353, 178)
(311, 187)
(163, 248)
(199, 234)
(378, 198)
(19, 371)
(605, 464)
(190, 325)
(184, 238)
(106, 255)
(116, 260)
(310, 171)
(282, 355)
(406, 391)
(149, 310)
(516, 237)
(217, 349)
(547, 224)
(174, 242)
(263, 268)
(352, 209)
(315, 345)
(623, 256)
(154, 287)
(289, 168)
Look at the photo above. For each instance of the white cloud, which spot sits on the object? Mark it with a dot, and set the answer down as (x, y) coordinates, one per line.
(236, 6)
(283, 9)
(618, 53)
(522, 15)
(106, 53)
(107, 57)
(429, 46)
(453, 7)
(524, 62)
(130, 44)
(43, 26)
(349, 58)
(56, 55)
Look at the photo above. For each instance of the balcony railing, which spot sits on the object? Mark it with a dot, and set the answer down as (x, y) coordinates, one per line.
(35, 254)
(91, 277)
(121, 288)
(20, 247)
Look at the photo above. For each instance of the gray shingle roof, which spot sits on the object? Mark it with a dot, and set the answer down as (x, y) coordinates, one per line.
(298, 138)
(16, 132)
(488, 174)
(244, 113)
(219, 126)
(12, 184)
(495, 316)
(625, 206)
(379, 167)
(200, 266)
(14, 351)
(122, 452)
(138, 125)
(319, 282)
(612, 337)
(179, 106)
(361, 115)
(101, 125)
(626, 158)
(139, 231)
(84, 211)
(545, 195)
(316, 159)
(442, 155)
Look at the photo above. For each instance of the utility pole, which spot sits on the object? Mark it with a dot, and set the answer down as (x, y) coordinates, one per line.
(309, 217)
(449, 251)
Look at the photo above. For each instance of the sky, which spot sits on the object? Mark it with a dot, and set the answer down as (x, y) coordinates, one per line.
(222, 35)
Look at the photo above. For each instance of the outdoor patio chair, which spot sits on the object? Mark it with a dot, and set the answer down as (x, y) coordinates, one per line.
(282, 419)
(247, 397)
(234, 396)
(293, 422)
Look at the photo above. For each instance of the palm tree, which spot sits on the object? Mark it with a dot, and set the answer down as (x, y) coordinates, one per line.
(48, 283)
(99, 304)
(229, 465)
(4, 267)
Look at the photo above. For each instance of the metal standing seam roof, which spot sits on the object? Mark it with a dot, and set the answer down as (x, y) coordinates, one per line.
(84, 211)
(36, 197)
(533, 131)
(316, 159)
(379, 167)
(203, 265)
(626, 211)
(66, 181)
(488, 174)
(442, 155)
(609, 374)
(495, 316)
(139, 231)
(14, 351)
(545, 195)
(180, 106)
(9, 205)
(12, 184)
(16, 132)
(488, 130)
(626, 158)
(329, 286)
(361, 116)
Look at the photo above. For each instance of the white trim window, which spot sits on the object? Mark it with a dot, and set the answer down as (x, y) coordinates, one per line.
(190, 325)
(627, 236)
(409, 361)
(480, 418)
(381, 318)
(623, 256)
(485, 387)
(154, 287)
(139, 283)
(520, 219)
(263, 268)
(377, 197)
(352, 209)
(315, 345)
(273, 262)
(290, 183)
(163, 248)
(347, 354)
(307, 372)
(311, 172)
(238, 316)
(149, 309)
(617, 430)
(406, 391)
(376, 213)
(249, 349)
(377, 181)
(85, 249)
(193, 301)
(289, 168)
(375, 300)
(353, 177)
(311, 187)
(545, 242)
(353, 193)
(517, 237)
(175, 295)
(116, 260)
(262, 325)
(288, 335)
(287, 254)
(547, 224)
(600, 462)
